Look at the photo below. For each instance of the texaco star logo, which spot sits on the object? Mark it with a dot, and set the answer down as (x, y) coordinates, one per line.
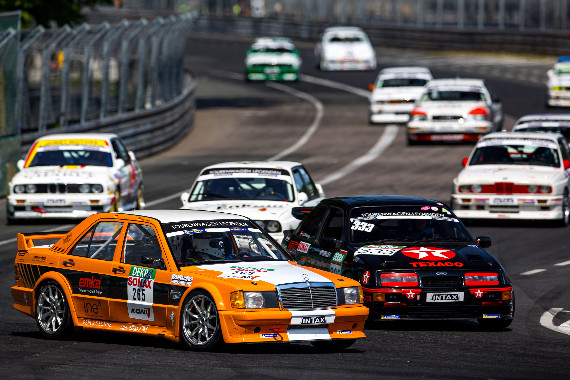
(410, 295)
(428, 253)
(478, 293)
(365, 277)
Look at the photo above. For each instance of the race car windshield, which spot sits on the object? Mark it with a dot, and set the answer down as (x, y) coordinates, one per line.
(401, 82)
(452, 96)
(369, 225)
(267, 49)
(514, 154)
(244, 188)
(564, 131)
(219, 241)
(347, 39)
(65, 157)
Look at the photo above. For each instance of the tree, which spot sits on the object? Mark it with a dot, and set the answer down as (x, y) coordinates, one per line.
(45, 12)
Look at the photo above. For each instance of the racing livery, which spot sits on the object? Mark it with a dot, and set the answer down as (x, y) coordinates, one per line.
(413, 257)
(520, 175)
(546, 123)
(265, 191)
(558, 84)
(454, 110)
(344, 48)
(191, 276)
(75, 175)
(272, 58)
(395, 92)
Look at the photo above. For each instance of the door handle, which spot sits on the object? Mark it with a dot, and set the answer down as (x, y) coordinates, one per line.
(68, 263)
(118, 270)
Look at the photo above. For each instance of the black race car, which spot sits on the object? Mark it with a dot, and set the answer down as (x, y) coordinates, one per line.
(413, 257)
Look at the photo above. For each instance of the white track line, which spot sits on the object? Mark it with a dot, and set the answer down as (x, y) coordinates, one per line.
(563, 263)
(531, 272)
(547, 320)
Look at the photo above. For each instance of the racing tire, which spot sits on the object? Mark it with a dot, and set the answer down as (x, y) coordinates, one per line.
(52, 311)
(333, 345)
(494, 324)
(199, 322)
(116, 207)
(565, 220)
(140, 199)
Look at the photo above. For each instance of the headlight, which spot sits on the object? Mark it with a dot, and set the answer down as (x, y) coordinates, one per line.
(19, 189)
(465, 188)
(476, 188)
(31, 189)
(273, 226)
(532, 188)
(351, 295)
(97, 188)
(84, 188)
(545, 189)
(252, 300)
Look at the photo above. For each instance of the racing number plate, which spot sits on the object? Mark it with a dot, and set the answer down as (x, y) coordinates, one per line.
(502, 201)
(445, 297)
(55, 202)
(313, 320)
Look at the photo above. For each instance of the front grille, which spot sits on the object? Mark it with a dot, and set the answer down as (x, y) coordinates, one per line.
(446, 117)
(301, 296)
(57, 188)
(450, 282)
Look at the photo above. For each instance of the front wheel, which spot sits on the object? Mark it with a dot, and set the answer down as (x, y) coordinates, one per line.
(333, 345)
(565, 220)
(199, 322)
(52, 311)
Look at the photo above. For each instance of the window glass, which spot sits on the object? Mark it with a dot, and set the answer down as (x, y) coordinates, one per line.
(334, 224)
(309, 227)
(308, 186)
(121, 151)
(141, 247)
(100, 242)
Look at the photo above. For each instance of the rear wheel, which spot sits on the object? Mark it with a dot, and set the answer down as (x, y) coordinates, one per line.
(199, 322)
(52, 311)
(117, 204)
(140, 199)
(333, 345)
(565, 219)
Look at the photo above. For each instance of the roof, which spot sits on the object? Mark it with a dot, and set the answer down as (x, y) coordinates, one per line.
(522, 135)
(256, 164)
(344, 29)
(172, 216)
(406, 70)
(456, 82)
(82, 136)
(380, 200)
(273, 42)
(543, 117)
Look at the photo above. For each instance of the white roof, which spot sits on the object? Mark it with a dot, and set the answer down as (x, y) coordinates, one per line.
(82, 136)
(344, 29)
(288, 165)
(543, 117)
(406, 70)
(455, 82)
(521, 135)
(173, 216)
(273, 42)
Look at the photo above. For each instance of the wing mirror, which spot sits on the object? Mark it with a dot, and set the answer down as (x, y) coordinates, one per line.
(303, 197)
(483, 241)
(301, 212)
(371, 87)
(464, 161)
(132, 155)
(20, 164)
(184, 197)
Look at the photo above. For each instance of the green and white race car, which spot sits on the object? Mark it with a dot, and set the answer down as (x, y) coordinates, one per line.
(272, 58)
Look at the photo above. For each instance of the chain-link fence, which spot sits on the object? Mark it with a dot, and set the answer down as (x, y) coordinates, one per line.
(69, 76)
(447, 14)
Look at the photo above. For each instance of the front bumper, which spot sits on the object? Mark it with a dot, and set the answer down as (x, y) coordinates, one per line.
(390, 113)
(478, 303)
(272, 73)
(273, 325)
(38, 206)
(496, 206)
(448, 131)
(348, 65)
(558, 98)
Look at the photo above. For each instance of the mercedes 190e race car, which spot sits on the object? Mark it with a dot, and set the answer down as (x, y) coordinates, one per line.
(395, 92)
(558, 84)
(413, 257)
(265, 191)
(272, 58)
(75, 175)
(190, 276)
(344, 48)
(454, 110)
(510, 175)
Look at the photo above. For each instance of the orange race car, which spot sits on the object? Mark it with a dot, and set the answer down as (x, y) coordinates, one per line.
(191, 276)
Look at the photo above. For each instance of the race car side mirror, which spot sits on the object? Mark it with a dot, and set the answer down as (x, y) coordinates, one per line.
(371, 87)
(464, 161)
(301, 212)
(303, 197)
(20, 164)
(184, 197)
(483, 241)
(566, 164)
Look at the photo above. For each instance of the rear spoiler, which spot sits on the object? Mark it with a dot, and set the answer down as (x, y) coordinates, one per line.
(26, 241)
(301, 212)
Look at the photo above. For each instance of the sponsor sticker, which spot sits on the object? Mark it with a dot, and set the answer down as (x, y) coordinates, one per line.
(445, 297)
(358, 225)
(425, 264)
(428, 253)
(342, 332)
(269, 335)
(303, 247)
(90, 285)
(313, 320)
(140, 289)
(245, 272)
(492, 316)
(365, 277)
(181, 280)
(390, 317)
(379, 250)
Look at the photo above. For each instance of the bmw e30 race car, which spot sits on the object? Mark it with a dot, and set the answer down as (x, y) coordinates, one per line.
(272, 58)
(191, 276)
(265, 191)
(413, 257)
(344, 48)
(75, 175)
(558, 84)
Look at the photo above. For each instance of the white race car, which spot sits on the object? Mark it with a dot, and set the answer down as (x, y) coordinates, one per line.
(265, 191)
(272, 58)
(75, 175)
(395, 92)
(344, 48)
(558, 84)
(515, 176)
(454, 110)
(546, 123)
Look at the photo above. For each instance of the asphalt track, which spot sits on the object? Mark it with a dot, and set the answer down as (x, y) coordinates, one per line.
(245, 121)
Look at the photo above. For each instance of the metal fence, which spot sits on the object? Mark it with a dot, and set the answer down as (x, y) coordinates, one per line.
(71, 76)
(447, 14)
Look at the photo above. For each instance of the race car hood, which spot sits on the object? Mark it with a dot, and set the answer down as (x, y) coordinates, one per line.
(63, 174)
(273, 272)
(348, 50)
(408, 93)
(522, 174)
(450, 108)
(426, 257)
(272, 59)
(257, 210)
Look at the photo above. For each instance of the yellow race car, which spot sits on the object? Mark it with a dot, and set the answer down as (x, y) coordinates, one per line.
(192, 276)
